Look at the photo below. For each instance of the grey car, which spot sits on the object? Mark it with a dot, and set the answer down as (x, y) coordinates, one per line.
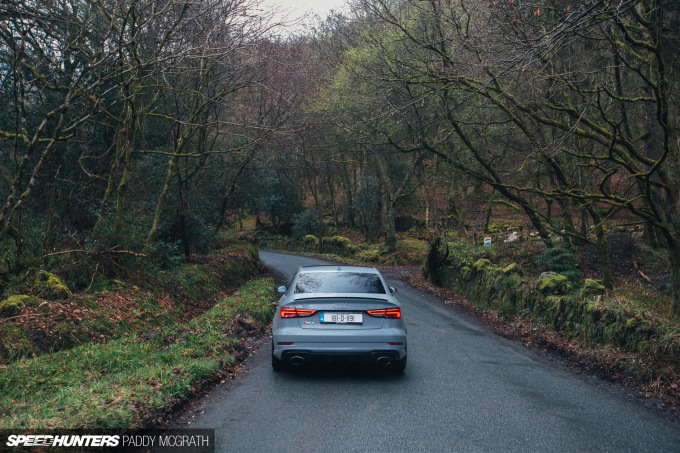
(338, 314)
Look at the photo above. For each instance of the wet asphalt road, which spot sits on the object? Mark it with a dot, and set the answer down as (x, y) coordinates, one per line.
(464, 389)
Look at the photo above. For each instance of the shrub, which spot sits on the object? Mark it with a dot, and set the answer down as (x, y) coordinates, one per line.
(306, 223)
(163, 255)
(560, 260)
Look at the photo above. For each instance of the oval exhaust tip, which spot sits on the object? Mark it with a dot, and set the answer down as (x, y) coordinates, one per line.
(297, 360)
(384, 361)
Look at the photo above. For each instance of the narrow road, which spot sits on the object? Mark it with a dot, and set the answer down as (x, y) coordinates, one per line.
(464, 389)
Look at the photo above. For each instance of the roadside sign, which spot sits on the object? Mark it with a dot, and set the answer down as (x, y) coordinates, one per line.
(487, 241)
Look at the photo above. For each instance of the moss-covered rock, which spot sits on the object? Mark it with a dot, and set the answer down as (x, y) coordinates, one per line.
(341, 245)
(341, 241)
(369, 255)
(592, 288)
(12, 305)
(49, 286)
(553, 284)
(353, 249)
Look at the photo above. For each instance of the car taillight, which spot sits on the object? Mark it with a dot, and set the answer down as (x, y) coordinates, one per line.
(385, 313)
(296, 312)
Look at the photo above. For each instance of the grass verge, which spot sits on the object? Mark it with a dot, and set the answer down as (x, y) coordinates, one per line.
(114, 308)
(118, 383)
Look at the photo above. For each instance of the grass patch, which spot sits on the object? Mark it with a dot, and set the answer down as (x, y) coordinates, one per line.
(641, 300)
(115, 384)
(654, 260)
(116, 308)
(410, 252)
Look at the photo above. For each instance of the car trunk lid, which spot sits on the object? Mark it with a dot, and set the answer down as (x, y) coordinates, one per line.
(342, 313)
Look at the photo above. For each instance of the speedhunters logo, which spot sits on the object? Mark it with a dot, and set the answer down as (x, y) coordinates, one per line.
(164, 441)
(36, 440)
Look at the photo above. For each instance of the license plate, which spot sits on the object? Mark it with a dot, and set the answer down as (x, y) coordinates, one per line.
(342, 318)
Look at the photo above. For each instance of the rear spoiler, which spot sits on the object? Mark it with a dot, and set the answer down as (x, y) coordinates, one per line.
(341, 296)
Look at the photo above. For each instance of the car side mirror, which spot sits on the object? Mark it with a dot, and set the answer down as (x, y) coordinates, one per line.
(282, 289)
(393, 290)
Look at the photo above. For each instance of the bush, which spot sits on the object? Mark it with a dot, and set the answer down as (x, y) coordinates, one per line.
(163, 255)
(306, 223)
(560, 260)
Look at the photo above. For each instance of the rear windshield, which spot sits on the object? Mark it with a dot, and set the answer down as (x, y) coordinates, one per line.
(339, 282)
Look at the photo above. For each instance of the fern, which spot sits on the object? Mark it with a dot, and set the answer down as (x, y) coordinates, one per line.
(561, 260)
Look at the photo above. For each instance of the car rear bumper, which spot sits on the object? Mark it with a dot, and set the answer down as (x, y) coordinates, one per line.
(316, 352)
(317, 357)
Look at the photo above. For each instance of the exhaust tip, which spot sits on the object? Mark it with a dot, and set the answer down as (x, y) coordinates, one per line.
(297, 360)
(384, 361)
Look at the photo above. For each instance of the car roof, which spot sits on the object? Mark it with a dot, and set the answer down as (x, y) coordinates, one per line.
(339, 268)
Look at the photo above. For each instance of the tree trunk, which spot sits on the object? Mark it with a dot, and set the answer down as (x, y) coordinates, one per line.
(565, 205)
(109, 189)
(230, 191)
(322, 201)
(391, 238)
(462, 212)
(433, 195)
(161, 200)
(585, 231)
(127, 153)
(349, 212)
(182, 214)
(384, 208)
(489, 212)
(603, 249)
(450, 209)
(334, 208)
(675, 279)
